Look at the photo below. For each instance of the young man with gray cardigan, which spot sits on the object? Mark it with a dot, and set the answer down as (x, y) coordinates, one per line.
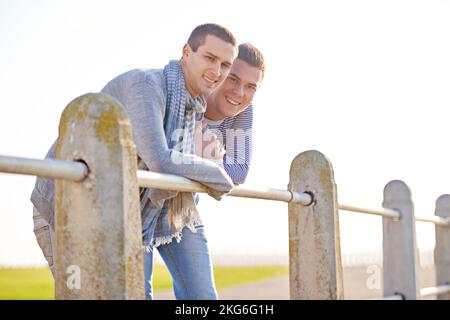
(163, 106)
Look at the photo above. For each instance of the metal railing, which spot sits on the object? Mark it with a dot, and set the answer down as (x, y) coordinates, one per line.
(47, 168)
(387, 213)
(395, 215)
(77, 171)
(424, 293)
(172, 182)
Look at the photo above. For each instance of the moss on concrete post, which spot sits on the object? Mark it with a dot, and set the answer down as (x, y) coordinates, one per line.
(98, 226)
(315, 268)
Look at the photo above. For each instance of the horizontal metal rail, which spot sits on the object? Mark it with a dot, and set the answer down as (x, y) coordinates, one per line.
(388, 213)
(436, 220)
(435, 291)
(77, 171)
(150, 179)
(424, 293)
(47, 168)
(393, 214)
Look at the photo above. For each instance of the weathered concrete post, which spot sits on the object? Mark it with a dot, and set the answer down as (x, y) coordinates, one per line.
(98, 230)
(315, 268)
(442, 248)
(400, 254)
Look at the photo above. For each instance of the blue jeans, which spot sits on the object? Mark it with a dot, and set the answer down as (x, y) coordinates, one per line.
(189, 264)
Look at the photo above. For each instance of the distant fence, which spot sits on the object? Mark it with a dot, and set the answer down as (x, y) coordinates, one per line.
(400, 253)
(98, 228)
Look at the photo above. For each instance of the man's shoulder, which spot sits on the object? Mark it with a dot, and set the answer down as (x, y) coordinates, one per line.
(248, 112)
(243, 119)
(150, 76)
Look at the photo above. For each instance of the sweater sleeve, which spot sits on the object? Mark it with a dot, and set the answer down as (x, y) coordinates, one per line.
(239, 146)
(145, 103)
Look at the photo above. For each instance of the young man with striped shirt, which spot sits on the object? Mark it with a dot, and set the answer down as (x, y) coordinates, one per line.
(228, 119)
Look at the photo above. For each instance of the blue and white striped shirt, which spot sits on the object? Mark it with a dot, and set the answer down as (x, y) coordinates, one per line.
(235, 133)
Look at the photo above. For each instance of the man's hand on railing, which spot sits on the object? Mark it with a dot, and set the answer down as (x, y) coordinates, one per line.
(208, 146)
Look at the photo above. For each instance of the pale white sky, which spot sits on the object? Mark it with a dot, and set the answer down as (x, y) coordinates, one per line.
(364, 82)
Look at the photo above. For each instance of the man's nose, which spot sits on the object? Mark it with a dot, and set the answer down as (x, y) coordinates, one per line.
(238, 89)
(215, 69)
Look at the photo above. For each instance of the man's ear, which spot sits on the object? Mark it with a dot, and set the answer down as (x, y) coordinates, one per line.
(186, 50)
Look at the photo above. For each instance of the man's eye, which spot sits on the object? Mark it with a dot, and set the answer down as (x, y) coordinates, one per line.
(210, 58)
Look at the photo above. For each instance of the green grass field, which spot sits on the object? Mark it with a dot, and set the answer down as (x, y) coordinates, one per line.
(37, 283)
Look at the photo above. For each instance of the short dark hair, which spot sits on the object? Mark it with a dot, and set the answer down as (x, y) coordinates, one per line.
(251, 55)
(198, 35)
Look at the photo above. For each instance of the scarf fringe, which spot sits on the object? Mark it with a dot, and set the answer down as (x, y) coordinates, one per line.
(181, 110)
(156, 242)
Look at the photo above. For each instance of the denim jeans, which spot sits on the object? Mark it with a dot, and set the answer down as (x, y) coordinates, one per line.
(45, 237)
(189, 264)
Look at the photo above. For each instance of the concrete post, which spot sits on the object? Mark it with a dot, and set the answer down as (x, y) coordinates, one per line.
(98, 226)
(315, 267)
(400, 254)
(442, 248)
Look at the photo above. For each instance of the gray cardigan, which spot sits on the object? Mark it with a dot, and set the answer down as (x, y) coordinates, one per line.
(143, 94)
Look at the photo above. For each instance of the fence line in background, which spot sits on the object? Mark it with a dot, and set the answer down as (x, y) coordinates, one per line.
(97, 181)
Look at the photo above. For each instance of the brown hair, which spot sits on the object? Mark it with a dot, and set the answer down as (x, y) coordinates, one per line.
(251, 55)
(198, 35)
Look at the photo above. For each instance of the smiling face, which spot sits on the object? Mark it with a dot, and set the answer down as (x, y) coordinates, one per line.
(236, 93)
(205, 69)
